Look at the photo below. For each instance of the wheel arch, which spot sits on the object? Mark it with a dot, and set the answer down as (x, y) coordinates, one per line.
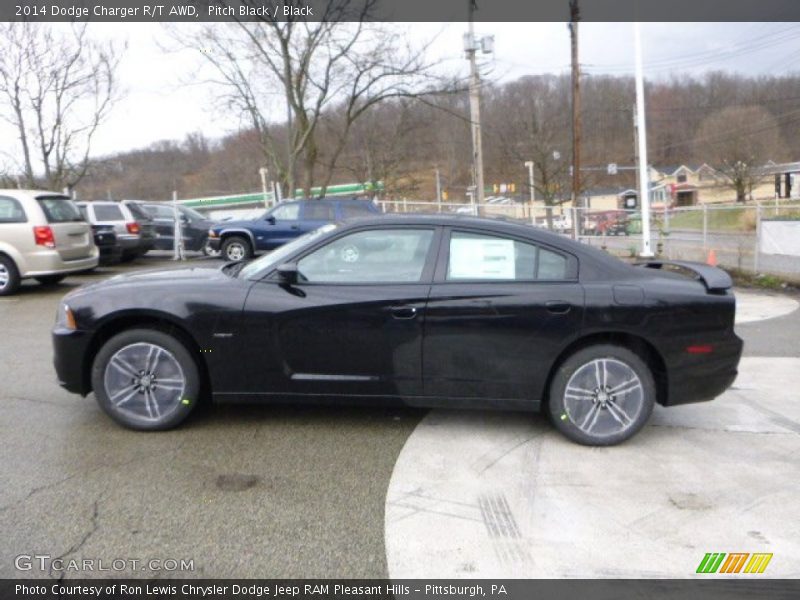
(226, 233)
(635, 343)
(158, 321)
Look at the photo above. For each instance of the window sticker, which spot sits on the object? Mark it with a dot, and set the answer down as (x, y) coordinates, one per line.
(472, 258)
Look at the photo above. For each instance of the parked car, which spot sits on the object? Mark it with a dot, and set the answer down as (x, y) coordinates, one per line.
(612, 222)
(133, 227)
(107, 244)
(239, 240)
(426, 310)
(42, 236)
(194, 226)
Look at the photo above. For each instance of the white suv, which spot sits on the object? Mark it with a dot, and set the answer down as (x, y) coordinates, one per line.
(42, 236)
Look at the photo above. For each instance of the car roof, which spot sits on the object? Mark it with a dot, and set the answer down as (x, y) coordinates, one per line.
(29, 193)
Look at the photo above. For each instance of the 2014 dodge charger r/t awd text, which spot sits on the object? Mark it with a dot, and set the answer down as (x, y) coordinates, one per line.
(424, 310)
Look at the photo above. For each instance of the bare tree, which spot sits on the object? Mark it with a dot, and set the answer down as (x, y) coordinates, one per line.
(738, 141)
(326, 71)
(58, 87)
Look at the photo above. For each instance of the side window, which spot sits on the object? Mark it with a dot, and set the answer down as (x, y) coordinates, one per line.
(11, 211)
(286, 212)
(374, 256)
(487, 257)
(318, 211)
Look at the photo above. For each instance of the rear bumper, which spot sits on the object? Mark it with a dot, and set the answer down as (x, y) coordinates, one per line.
(49, 262)
(69, 350)
(704, 377)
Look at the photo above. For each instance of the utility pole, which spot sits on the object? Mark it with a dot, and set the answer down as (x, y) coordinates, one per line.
(641, 132)
(471, 47)
(574, 17)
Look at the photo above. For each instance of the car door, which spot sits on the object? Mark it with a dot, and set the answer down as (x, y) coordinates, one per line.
(499, 311)
(353, 323)
(164, 223)
(279, 226)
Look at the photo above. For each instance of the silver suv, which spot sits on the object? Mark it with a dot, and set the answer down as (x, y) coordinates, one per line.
(134, 227)
(42, 236)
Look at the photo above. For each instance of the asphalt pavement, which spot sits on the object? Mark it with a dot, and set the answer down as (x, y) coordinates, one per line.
(240, 491)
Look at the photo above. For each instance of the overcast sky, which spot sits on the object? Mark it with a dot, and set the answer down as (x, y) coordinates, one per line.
(159, 105)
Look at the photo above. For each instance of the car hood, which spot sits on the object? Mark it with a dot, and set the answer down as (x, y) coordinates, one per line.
(155, 277)
(234, 224)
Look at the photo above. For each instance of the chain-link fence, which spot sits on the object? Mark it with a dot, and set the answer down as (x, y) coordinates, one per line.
(761, 236)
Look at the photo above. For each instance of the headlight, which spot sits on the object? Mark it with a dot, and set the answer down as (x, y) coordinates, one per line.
(65, 318)
(212, 233)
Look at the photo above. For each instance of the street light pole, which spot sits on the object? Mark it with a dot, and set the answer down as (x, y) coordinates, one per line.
(644, 184)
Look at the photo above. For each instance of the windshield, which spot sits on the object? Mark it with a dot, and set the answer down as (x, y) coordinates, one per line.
(192, 214)
(258, 267)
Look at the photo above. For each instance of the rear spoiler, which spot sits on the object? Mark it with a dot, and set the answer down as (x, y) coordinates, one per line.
(715, 280)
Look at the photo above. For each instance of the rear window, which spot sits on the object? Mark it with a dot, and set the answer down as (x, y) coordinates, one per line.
(108, 212)
(356, 209)
(59, 209)
(138, 212)
(11, 211)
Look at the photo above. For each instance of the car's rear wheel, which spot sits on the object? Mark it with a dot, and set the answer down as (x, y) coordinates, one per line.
(236, 248)
(9, 276)
(601, 395)
(50, 279)
(146, 379)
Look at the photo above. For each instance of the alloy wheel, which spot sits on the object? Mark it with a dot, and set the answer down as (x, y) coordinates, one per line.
(145, 381)
(604, 397)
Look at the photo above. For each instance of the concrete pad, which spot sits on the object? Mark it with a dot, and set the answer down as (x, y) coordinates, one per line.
(751, 306)
(477, 494)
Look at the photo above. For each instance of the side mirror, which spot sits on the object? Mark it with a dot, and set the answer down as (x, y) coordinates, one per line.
(271, 220)
(288, 273)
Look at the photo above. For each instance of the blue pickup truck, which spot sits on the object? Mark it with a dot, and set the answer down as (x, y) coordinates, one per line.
(239, 240)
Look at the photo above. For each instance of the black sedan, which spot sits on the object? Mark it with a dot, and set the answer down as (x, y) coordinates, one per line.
(422, 310)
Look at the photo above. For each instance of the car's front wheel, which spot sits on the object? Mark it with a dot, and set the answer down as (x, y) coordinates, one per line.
(146, 379)
(236, 248)
(601, 395)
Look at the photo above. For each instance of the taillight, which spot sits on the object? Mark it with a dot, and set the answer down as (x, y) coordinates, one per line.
(43, 235)
(700, 349)
(132, 227)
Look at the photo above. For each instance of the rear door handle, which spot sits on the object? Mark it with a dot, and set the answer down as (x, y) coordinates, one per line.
(404, 312)
(558, 307)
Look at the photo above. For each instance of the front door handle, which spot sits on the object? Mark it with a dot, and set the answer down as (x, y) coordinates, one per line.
(404, 312)
(558, 307)
(295, 227)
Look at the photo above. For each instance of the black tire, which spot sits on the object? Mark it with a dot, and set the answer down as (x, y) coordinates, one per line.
(207, 250)
(601, 412)
(128, 257)
(236, 248)
(177, 406)
(50, 279)
(9, 276)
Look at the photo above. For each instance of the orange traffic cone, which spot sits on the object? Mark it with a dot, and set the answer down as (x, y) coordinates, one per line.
(712, 258)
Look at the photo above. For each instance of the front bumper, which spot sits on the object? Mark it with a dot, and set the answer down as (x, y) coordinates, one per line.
(69, 351)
